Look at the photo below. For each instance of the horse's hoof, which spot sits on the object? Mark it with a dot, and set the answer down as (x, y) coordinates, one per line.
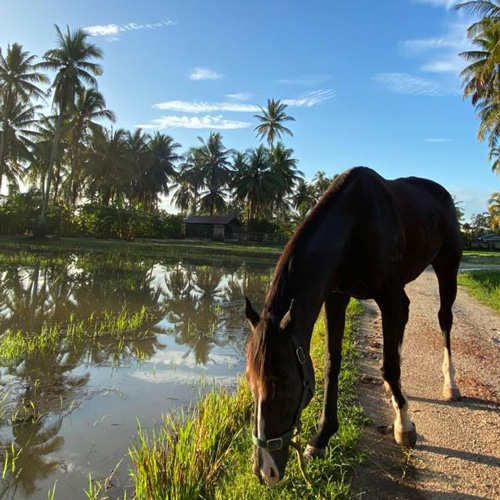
(452, 394)
(406, 438)
(311, 452)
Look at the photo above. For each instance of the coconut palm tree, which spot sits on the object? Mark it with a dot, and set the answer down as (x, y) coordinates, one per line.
(90, 107)
(109, 166)
(72, 62)
(272, 120)
(213, 160)
(154, 179)
(254, 183)
(17, 138)
(494, 210)
(19, 80)
(303, 199)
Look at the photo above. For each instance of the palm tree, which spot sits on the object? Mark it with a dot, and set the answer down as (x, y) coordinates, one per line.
(71, 60)
(254, 182)
(155, 178)
(212, 158)
(494, 210)
(109, 166)
(321, 183)
(272, 120)
(89, 107)
(17, 138)
(18, 84)
(303, 199)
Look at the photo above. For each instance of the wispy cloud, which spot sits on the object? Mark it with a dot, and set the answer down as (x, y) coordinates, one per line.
(447, 4)
(195, 122)
(195, 107)
(206, 107)
(310, 99)
(438, 139)
(113, 31)
(305, 80)
(240, 96)
(205, 74)
(404, 83)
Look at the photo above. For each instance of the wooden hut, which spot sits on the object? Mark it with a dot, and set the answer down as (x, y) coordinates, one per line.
(213, 227)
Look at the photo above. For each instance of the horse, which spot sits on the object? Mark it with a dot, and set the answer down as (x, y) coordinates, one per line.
(366, 238)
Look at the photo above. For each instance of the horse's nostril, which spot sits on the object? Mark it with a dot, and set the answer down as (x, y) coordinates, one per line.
(272, 474)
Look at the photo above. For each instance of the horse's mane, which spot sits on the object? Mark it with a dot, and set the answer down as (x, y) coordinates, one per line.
(264, 346)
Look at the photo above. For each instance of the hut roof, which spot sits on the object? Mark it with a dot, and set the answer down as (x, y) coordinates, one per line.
(211, 219)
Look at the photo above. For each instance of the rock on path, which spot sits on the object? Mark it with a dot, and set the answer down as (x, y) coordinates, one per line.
(458, 449)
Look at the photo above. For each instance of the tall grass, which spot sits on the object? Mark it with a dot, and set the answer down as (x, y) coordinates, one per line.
(483, 285)
(206, 454)
(20, 344)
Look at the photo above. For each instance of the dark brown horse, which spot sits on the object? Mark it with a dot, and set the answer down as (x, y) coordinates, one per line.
(366, 238)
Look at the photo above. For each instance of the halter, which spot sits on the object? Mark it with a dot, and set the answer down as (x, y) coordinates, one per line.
(285, 439)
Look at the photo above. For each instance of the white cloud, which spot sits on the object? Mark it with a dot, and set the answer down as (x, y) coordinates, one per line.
(113, 31)
(453, 65)
(404, 83)
(310, 99)
(447, 4)
(195, 122)
(305, 80)
(206, 107)
(437, 139)
(240, 96)
(205, 74)
(307, 100)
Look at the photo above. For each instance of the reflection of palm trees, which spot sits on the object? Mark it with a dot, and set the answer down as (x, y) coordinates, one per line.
(34, 441)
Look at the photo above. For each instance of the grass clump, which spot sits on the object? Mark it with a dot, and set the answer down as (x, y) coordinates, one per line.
(483, 285)
(183, 459)
(208, 455)
(15, 345)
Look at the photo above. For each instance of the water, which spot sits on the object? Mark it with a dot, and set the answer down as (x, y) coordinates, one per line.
(73, 411)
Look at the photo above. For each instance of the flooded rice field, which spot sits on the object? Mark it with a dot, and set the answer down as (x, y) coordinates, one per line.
(92, 344)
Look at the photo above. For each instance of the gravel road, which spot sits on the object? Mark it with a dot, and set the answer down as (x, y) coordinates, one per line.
(458, 449)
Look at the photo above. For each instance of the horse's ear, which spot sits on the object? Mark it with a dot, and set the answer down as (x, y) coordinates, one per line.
(250, 313)
(288, 317)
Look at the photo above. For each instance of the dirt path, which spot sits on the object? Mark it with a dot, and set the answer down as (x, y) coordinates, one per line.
(458, 449)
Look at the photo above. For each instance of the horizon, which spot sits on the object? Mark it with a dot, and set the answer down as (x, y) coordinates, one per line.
(363, 89)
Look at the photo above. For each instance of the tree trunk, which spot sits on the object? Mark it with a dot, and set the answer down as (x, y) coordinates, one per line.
(50, 174)
(2, 139)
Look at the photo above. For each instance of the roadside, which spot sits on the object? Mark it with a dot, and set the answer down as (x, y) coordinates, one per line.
(458, 449)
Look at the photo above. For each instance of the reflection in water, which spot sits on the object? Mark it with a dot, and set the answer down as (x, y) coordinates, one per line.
(195, 302)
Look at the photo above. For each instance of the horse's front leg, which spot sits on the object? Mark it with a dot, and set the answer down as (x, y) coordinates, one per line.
(335, 309)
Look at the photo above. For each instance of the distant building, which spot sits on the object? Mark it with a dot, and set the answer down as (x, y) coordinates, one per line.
(491, 241)
(213, 227)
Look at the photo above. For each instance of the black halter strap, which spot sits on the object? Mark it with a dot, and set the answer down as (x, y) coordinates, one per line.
(284, 440)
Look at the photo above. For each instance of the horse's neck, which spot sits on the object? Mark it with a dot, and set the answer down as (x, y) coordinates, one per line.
(305, 278)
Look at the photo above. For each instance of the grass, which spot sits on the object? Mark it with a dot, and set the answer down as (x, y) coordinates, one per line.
(481, 257)
(206, 454)
(145, 247)
(484, 285)
(18, 345)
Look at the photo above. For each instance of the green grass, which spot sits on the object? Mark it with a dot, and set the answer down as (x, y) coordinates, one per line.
(207, 454)
(18, 345)
(145, 247)
(483, 257)
(483, 285)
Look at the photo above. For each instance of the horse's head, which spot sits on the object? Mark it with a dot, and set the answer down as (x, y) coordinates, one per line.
(281, 379)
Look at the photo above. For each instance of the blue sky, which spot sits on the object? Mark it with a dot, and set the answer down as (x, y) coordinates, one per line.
(369, 83)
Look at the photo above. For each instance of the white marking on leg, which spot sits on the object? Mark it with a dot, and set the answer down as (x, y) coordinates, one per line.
(268, 469)
(402, 422)
(448, 371)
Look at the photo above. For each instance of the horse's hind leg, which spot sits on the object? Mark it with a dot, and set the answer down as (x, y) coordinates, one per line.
(446, 267)
(394, 305)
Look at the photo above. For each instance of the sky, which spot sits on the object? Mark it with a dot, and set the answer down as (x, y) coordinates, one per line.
(369, 83)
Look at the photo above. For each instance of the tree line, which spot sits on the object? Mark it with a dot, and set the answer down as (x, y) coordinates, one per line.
(57, 138)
